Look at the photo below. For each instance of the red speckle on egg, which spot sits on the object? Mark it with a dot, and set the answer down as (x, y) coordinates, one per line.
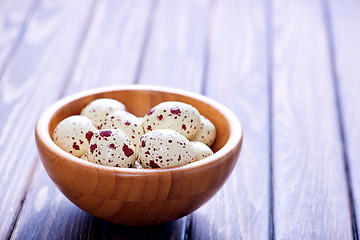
(149, 128)
(81, 142)
(175, 111)
(112, 146)
(153, 164)
(105, 133)
(142, 143)
(127, 123)
(160, 117)
(127, 151)
(183, 127)
(92, 148)
(89, 135)
(75, 146)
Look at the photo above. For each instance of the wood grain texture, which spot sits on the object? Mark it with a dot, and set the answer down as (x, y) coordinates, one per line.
(47, 51)
(345, 33)
(311, 200)
(33, 78)
(175, 52)
(13, 17)
(110, 53)
(237, 77)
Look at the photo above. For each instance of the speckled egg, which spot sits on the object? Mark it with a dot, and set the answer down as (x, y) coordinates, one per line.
(206, 133)
(127, 122)
(177, 116)
(165, 148)
(98, 109)
(202, 150)
(111, 147)
(73, 134)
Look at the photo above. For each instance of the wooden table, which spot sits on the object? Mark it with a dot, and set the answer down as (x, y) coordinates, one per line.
(290, 70)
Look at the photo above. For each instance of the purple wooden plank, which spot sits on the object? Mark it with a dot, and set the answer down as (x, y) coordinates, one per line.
(237, 76)
(311, 200)
(13, 17)
(112, 50)
(175, 52)
(345, 33)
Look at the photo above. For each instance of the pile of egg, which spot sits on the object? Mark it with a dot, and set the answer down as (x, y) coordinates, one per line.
(171, 134)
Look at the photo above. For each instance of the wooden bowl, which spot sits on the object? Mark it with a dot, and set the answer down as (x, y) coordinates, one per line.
(137, 196)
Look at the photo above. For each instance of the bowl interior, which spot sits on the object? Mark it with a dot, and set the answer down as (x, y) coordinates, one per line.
(140, 101)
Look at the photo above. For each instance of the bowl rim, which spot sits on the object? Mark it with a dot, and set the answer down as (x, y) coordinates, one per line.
(235, 136)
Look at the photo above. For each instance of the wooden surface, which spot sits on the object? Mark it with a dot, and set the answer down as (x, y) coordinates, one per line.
(307, 149)
(288, 69)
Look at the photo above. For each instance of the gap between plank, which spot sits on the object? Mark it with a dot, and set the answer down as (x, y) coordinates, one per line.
(269, 47)
(32, 8)
(23, 198)
(147, 36)
(203, 87)
(188, 227)
(207, 46)
(79, 47)
(339, 111)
